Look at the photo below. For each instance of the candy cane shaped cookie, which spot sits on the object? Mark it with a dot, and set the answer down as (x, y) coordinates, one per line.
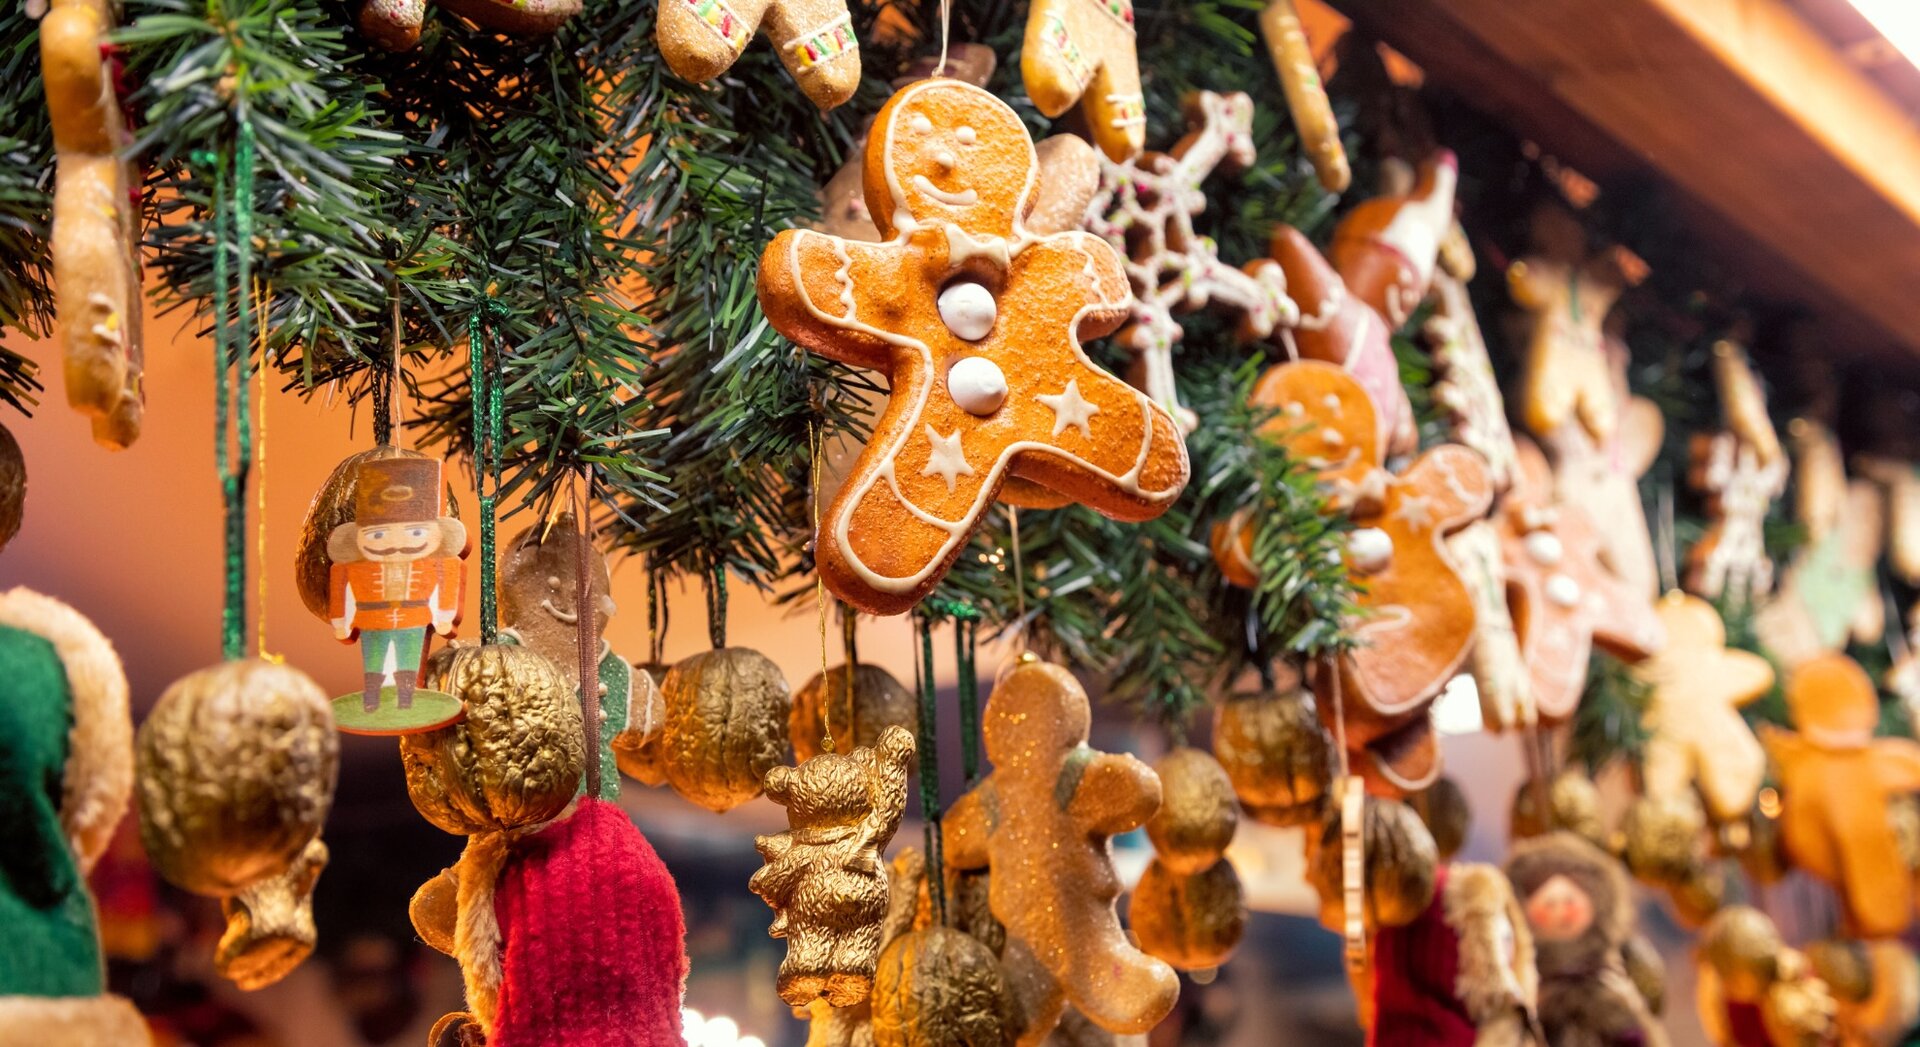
(977, 322)
(1082, 51)
(701, 39)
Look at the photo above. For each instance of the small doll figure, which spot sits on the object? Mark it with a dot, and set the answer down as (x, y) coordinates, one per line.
(824, 877)
(397, 572)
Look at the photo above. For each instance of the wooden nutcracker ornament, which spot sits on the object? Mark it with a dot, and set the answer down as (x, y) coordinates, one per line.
(1698, 738)
(1145, 209)
(1569, 292)
(1040, 822)
(398, 572)
(1082, 51)
(1417, 619)
(1313, 119)
(1836, 780)
(977, 323)
(96, 221)
(1830, 593)
(701, 39)
(395, 24)
(334, 504)
(1741, 470)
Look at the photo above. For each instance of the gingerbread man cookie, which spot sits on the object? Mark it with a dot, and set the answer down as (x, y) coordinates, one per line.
(1602, 477)
(1313, 119)
(1742, 472)
(1418, 619)
(1145, 209)
(1562, 593)
(1830, 594)
(96, 222)
(1386, 248)
(1082, 51)
(395, 24)
(1569, 292)
(1040, 822)
(1835, 781)
(977, 322)
(701, 39)
(1698, 737)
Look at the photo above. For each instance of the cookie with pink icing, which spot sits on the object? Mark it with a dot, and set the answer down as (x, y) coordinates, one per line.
(977, 322)
(1386, 248)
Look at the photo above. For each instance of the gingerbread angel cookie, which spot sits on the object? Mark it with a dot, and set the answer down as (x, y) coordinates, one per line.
(1836, 779)
(701, 39)
(1040, 821)
(96, 222)
(977, 322)
(1698, 737)
(1145, 209)
(1082, 51)
(1418, 618)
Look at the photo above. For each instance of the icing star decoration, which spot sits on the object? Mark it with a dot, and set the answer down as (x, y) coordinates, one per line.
(988, 386)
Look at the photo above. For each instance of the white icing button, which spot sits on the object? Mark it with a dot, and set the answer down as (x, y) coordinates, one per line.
(1544, 548)
(1371, 550)
(965, 135)
(1563, 590)
(920, 123)
(977, 385)
(968, 310)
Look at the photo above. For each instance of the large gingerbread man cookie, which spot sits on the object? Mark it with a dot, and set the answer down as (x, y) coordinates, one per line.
(1040, 822)
(701, 39)
(1082, 51)
(96, 223)
(1835, 781)
(1417, 620)
(977, 323)
(1698, 736)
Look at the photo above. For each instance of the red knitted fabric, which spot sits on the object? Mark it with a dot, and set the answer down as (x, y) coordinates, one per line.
(593, 945)
(1747, 1025)
(1414, 971)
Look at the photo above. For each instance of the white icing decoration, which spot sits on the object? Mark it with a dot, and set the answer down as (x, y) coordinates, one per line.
(1126, 102)
(945, 458)
(963, 198)
(1070, 409)
(977, 385)
(1370, 549)
(945, 159)
(1543, 547)
(963, 247)
(1563, 590)
(968, 310)
(965, 135)
(920, 123)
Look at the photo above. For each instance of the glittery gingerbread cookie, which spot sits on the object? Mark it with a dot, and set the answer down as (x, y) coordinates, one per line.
(977, 323)
(1040, 821)
(1145, 209)
(1418, 620)
(1082, 51)
(1835, 781)
(1562, 593)
(701, 39)
(1698, 736)
(96, 222)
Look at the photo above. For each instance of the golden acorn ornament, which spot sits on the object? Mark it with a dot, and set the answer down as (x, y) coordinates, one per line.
(726, 725)
(517, 757)
(1277, 755)
(236, 767)
(938, 987)
(1572, 804)
(856, 712)
(333, 505)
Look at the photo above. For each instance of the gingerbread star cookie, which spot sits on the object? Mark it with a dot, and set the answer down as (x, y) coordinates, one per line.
(1082, 51)
(1561, 592)
(1836, 779)
(1698, 736)
(977, 322)
(701, 39)
(1145, 209)
(1417, 620)
(96, 223)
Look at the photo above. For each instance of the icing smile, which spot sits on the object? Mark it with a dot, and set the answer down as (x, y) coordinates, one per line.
(963, 198)
(568, 617)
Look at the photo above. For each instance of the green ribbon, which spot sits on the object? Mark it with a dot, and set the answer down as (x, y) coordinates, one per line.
(233, 342)
(717, 608)
(928, 746)
(483, 365)
(966, 625)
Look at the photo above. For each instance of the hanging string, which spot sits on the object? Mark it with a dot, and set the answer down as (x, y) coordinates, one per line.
(1353, 853)
(820, 599)
(717, 608)
(1019, 578)
(946, 31)
(484, 384)
(656, 617)
(586, 638)
(927, 747)
(233, 342)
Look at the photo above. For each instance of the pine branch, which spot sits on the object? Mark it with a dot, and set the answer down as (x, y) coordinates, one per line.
(26, 204)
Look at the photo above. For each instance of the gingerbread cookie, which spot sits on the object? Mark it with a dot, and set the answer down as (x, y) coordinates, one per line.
(1836, 779)
(1731, 559)
(1569, 293)
(1560, 590)
(1145, 209)
(1418, 620)
(1830, 593)
(1040, 821)
(701, 39)
(1082, 51)
(1386, 248)
(1313, 120)
(1498, 667)
(1697, 735)
(1602, 477)
(1337, 327)
(1902, 483)
(977, 322)
(96, 222)
(395, 24)
(1465, 386)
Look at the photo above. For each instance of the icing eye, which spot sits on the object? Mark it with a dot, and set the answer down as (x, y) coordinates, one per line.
(920, 124)
(966, 136)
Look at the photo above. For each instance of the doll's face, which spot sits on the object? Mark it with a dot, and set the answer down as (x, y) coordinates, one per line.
(399, 542)
(1559, 910)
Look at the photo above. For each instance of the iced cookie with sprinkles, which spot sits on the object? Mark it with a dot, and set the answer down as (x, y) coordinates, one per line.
(978, 323)
(701, 39)
(1082, 51)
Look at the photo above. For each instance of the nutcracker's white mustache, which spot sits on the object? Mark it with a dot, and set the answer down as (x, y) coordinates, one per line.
(569, 617)
(394, 550)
